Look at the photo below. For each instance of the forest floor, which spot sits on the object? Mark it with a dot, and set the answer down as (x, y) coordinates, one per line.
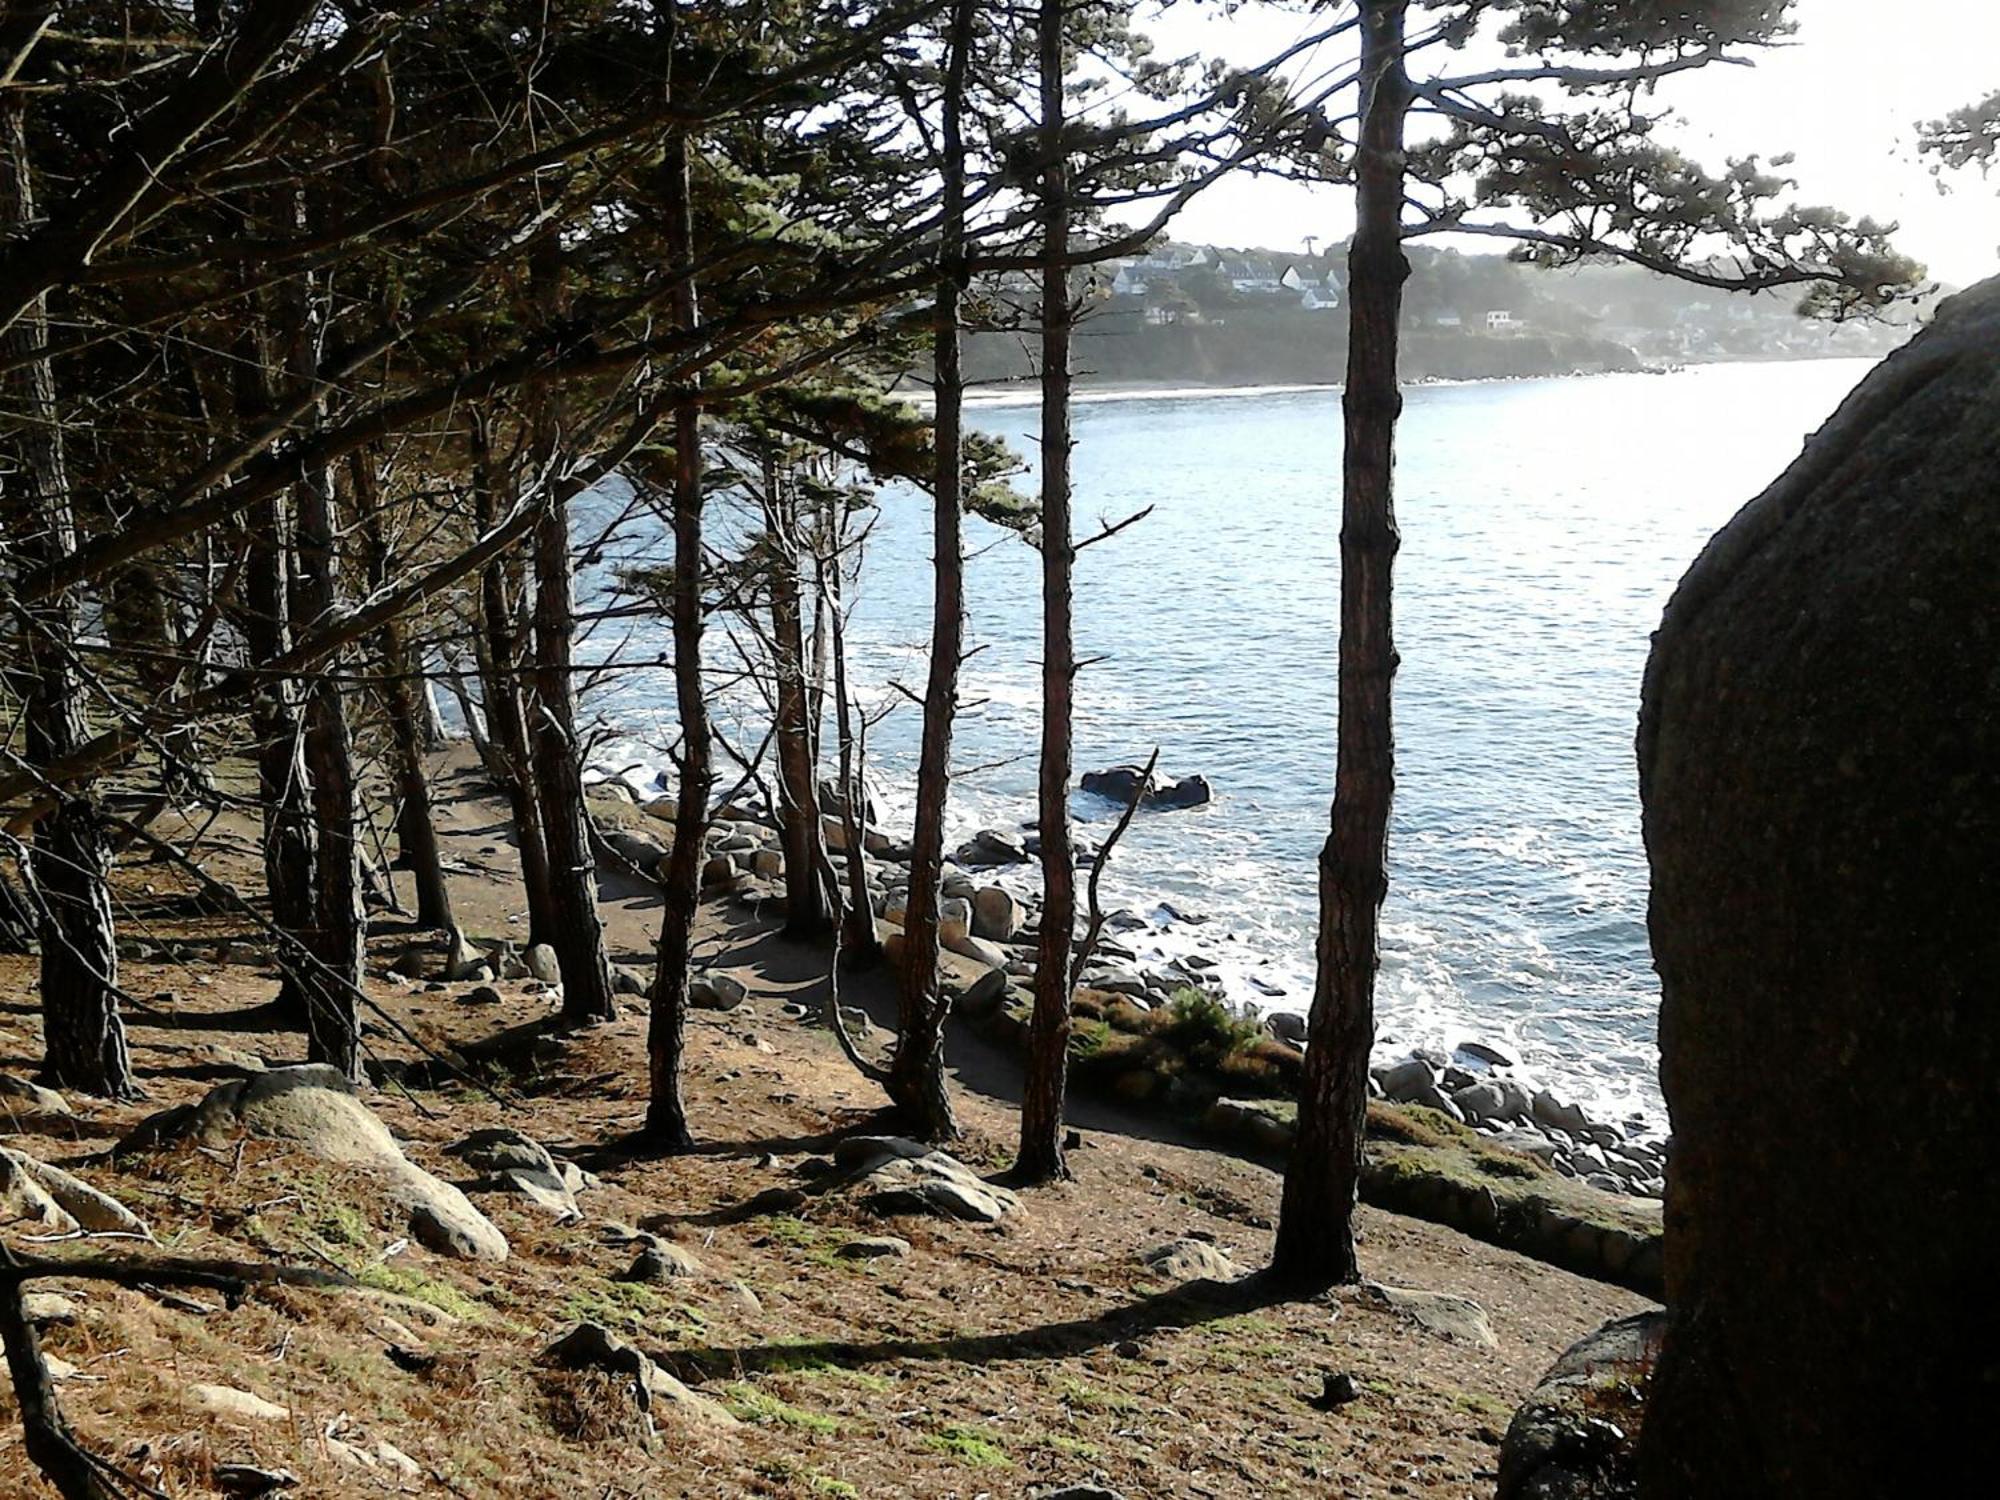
(991, 1360)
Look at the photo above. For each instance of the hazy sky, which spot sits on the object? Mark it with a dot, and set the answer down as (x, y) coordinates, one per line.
(1844, 98)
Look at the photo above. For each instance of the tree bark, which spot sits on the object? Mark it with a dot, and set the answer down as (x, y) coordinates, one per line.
(1047, 1077)
(916, 1077)
(806, 903)
(666, 1034)
(403, 696)
(70, 862)
(578, 935)
(556, 752)
(337, 936)
(1315, 1244)
(500, 659)
(859, 942)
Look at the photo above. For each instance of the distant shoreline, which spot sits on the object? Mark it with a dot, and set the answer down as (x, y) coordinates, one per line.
(1016, 393)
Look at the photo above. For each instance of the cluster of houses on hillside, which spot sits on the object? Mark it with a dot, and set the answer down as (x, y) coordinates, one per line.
(1173, 282)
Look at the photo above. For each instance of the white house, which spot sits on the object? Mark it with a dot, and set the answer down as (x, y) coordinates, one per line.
(1501, 321)
(1129, 281)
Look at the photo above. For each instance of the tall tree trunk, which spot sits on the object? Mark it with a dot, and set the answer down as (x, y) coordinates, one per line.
(666, 1034)
(806, 903)
(1315, 1244)
(1041, 1153)
(917, 1077)
(557, 753)
(403, 696)
(290, 844)
(500, 659)
(71, 861)
(578, 937)
(338, 937)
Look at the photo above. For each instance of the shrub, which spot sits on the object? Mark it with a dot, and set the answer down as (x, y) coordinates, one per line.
(1202, 1028)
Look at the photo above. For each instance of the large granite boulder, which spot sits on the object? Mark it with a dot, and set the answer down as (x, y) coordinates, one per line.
(314, 1109)
(1819, 753)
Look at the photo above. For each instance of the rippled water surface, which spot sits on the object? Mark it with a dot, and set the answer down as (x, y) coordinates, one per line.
(1544, 525)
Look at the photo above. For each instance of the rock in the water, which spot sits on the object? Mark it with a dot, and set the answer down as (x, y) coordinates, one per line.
(314, 1107)
(898, 1176)
(1819, 757)
(232, 1405)
(1574, 1437)
(1457, 1318)
(1189, 791)
(1189, 1260)
(990, 848)
(1119, 783)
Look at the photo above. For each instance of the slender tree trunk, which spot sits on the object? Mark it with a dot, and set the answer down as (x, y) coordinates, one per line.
(289, 846)
(71, 861)
(338, 936)
(859, 943)
(403, 694)
(558, 760)
(666, 1035)
(500, 661)
(806, 904)
(1315, 1244)
(556, 749)
(1041, 1153)
(917, 1077)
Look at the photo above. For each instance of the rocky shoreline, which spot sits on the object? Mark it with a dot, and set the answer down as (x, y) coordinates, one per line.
(1164, 1038)
(1478, 1084)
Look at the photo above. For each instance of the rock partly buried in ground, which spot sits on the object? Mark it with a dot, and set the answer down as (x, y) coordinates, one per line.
(1574, 1438)
(663, 1260)
(23, 1101)
(1189, 1260)
(314, 1107)
(510, 1162)
(1457, 1318)
(75, 1201)
(591, 1346)
(1819, 757)
(875, 1247)
(233, 1405)
(716, 992)
(26, 1204)
(898, 1176)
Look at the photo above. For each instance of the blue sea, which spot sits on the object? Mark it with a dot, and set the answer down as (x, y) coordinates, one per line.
(1545, 523)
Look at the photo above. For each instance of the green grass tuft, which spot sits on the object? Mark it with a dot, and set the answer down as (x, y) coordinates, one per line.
(975, 1447)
